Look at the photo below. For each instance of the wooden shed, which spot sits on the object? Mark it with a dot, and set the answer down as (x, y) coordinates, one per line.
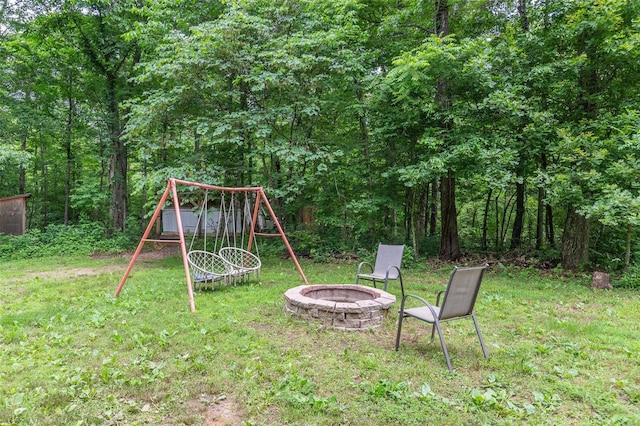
(13, 214)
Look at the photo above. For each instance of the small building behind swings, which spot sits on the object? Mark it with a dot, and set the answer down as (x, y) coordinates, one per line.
(13, 214)
(170, 221)
(192, 223)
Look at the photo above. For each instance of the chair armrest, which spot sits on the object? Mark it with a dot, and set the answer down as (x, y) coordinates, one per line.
(427, 304)
(364, 264)
(391, 268)
(440, 293)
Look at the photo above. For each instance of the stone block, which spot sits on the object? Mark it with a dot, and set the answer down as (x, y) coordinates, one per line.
(601, 280)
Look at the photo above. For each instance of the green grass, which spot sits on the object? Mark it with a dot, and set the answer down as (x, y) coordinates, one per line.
(71, 353)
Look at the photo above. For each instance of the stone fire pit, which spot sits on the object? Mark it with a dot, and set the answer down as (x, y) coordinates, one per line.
(341, 306)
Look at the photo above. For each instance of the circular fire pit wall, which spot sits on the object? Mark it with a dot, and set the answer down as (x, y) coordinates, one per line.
(341, 306)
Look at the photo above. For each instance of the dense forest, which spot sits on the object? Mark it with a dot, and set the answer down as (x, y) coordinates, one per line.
(455, 126)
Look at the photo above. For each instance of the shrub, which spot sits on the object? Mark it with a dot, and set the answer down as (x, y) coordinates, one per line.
(630, 279)
(80, 239)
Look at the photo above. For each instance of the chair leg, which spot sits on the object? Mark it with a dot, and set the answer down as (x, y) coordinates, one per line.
(484, 349)
(444, 346)
(400, 318)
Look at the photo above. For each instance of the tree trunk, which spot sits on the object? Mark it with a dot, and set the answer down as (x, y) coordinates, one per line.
(575, 240)
(548, 219)
(143, 201)
(118, 178)
(68, 152)
(627, 252)
(518, 222)
(364, 139)
(549, 227)
(412, 214)
(423, 199)
(118, 159)
(394, 221)
(103, 47)
(433, 209)
(441, 18)
(506, 219)
(485, 221)
(449, 239)
(522, 11)
(540, 219)
(43, 185)
(22, 179)
(496, 205)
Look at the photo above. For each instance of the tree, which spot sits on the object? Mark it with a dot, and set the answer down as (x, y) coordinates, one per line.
(439, 85)
(97, 29)
(593, 57)
(250, 97)
(14, 158)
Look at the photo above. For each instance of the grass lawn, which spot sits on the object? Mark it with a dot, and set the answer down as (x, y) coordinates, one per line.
(73, 354)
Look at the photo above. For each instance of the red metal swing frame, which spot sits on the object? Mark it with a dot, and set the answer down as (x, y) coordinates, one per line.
(172, 191)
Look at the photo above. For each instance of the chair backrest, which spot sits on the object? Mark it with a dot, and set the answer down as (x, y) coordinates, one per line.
(388, 255)
(462, 291)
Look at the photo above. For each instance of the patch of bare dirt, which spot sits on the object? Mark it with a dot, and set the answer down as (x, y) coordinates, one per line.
(67, 273)
(217, 411)
(162, 252)
(157, 251)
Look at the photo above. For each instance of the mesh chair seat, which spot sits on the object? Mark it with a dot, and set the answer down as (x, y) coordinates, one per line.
(424, 313)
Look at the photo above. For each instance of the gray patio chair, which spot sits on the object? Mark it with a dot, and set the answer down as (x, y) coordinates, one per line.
(387, 266)
(458, 302)
(207, 267)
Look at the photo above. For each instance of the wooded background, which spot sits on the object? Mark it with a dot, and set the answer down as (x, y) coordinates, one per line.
(454, 126)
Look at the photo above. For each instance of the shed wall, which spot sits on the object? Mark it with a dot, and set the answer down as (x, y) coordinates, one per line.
(13, 215)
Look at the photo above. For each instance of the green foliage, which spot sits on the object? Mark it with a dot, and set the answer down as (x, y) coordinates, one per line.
(629, 279)
(385, 389)
(353, 108)
(13, 157)
(306, 243)
(299, 393)
(82, 239)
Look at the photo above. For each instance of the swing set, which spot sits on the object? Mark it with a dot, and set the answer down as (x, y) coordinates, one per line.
(234, 256)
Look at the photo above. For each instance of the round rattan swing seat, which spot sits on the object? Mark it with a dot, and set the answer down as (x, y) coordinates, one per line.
(241, 263)
(207, 267)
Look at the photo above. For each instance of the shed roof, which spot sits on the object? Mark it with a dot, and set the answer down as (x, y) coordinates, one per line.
(15, 197)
